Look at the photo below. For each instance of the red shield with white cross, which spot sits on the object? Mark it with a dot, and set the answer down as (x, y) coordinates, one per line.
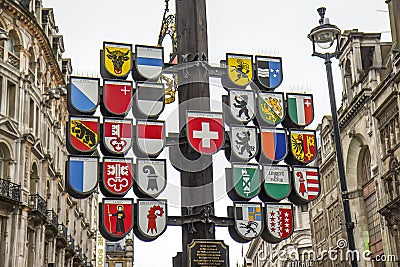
(205, 131)
(117, 135)
(117, 175)
(117, 97)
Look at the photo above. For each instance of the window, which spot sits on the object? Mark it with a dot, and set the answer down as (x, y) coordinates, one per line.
(366, 167)
(10, 45)
(118, 264)
(373, 218)
(11, 93)
(1, 163)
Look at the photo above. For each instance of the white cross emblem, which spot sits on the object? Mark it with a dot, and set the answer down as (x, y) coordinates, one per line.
(307, 103)
(205, 134)
(125, 90)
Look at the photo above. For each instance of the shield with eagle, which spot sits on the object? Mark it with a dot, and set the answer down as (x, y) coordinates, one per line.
(303, 145)
(116, 217)
(151, 218)
(117, 59)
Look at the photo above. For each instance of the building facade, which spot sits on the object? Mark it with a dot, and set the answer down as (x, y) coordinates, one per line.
(289, 252)
(40, 225)
(370, 134)
(119, 254)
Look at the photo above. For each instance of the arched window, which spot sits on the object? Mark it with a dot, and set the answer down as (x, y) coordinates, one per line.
(10, 44)
(4, 160)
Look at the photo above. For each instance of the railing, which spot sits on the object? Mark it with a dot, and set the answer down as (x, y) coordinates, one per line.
(10, 190)
(37, 203)
(62, 232)
(1, 52)
(78, 254)
(52, 218)
(13, 60)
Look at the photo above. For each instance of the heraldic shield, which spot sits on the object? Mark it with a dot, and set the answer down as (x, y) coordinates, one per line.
(151, 177)
(117, 136)
(117, 176)
(116, 218)
(276, 182)
(151, 219)
(243, 143)
(300, 110)
(306, 185)
(242, 105)
(271, 108)
(303, 147)
(269, 72)
(83, 134)
(117, 98)
(117, 59)
(150, 138)
(249, 221)
(81, 176)
(243, 181)
(149, 100)
(83, 95)
(205, 131)
(149, 62)
(239, 69)
(273, 144)
(278, 222)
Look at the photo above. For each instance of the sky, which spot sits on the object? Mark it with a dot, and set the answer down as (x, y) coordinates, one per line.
(276, 28)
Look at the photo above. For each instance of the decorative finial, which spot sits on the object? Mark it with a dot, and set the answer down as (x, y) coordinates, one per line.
(321, 12)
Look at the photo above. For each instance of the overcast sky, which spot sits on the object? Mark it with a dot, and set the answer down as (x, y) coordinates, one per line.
(277, 28)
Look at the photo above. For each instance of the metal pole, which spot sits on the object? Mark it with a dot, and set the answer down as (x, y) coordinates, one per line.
(340, 162)
(196, 186)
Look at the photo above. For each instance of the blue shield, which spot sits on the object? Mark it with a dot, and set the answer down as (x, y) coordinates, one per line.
(269, 71)
(82, 176)
(83, 95)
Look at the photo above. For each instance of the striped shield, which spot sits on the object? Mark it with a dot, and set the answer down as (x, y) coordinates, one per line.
(149, 61)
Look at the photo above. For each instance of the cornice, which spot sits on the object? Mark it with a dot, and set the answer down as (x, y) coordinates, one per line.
(29, 22)
(355, 107)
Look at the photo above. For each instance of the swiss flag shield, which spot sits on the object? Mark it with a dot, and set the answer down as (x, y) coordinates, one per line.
(117, 97)
(205, 131)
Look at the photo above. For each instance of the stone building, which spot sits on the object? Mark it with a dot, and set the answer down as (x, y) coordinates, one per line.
(261, 253)
(119, 254)
(370, 133)
(40, 225)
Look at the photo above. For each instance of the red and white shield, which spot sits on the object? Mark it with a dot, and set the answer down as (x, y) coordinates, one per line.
(117, 175)
(117, 135)
(150, 136)
(205, 131)
(117, 96)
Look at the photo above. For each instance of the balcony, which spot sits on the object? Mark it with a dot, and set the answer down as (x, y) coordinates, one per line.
(13, 60)
(62, 236)
(37, 206)
(9, 191)
(70, 248)
(52, 221)
(78, 254)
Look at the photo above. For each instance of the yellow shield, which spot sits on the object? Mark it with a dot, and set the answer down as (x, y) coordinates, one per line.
(117, 58)
(240, 68)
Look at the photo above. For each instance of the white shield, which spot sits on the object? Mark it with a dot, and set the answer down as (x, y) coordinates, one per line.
(242, 104)
(151, 176)
(152, 218)
(248, 219)
(244, 142)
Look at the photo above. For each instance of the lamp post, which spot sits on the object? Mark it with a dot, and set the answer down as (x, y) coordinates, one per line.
(324, 36)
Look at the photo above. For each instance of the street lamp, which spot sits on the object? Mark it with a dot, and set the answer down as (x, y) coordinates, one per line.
(324, 36)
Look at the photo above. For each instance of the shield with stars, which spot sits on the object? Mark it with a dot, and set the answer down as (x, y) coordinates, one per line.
(83, 134)
(242, 104)
(243, 181)
(116, 217)
(117, 59)
(205, 131)
(279, 222)
(303, 146)
(249, 222)
(151, 177)
(306, 184)
(117, 98)
(117, 136)
(151, 219)
(244, 143)
(269, 71)
(83, 95)
(300, 110)
(271, 108)
(117, 176)
(239, 69)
